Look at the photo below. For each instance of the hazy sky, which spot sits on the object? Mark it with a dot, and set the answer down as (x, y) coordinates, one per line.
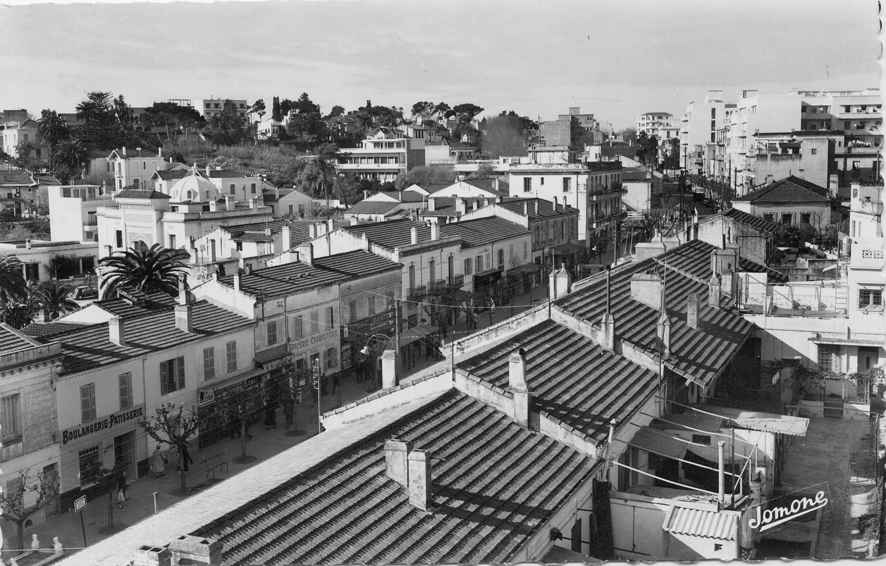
(613, 58)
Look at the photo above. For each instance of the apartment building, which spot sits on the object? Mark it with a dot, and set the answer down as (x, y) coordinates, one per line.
(651, 122)
(214, 106)
(700, 127)
(134, 169)
(382, 157)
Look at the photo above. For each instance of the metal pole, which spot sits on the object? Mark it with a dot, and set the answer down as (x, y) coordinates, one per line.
(732, 461)
(83, 528)
(721, 477)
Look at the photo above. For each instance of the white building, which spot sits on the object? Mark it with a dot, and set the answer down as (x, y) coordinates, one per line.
(72, 211)
(381, 157)
(214, 106)
(135, 169)
(652, 122)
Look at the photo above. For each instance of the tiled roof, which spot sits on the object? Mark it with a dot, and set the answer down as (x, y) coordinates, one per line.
(48, 329)
(285, 279)
(570, 377)
(495, 484)
(47, 180)
(392, 233)
(12, 340)
(173, 174)
(372, 207)
(788, 190)
(298, 231)
(225, 173)
(545, 207)
(483, 231)
(252, 237)
(358, 263)
(405, 196)
(146, 304)
(90, 347)
(15, 176)
(134, 193)
(755, 222)
(697, 354)
(701, 523)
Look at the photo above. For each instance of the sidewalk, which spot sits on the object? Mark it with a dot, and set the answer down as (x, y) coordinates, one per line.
(141, 492)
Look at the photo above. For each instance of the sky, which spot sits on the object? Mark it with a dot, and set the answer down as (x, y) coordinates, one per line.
(613, 58)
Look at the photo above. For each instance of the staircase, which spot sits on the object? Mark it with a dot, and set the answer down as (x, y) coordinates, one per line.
(833, 407)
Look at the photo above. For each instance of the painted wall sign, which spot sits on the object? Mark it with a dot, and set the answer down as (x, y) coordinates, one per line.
(102, 424)
(774, 516)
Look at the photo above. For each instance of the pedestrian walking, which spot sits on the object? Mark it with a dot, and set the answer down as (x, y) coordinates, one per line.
(121, 489)
(270, 413)
(336, 384)
(186, 459)
(158, 462)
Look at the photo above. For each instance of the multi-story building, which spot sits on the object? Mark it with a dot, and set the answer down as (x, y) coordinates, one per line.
(183, 102)
(560, 132)
(774, 156)
(18, 190)
(382, 157)
(135, 169)
(72, 211)
(789, 201)
(18, 134)
(699, 128)
(651, 122)
(236, 184)
(28, 425)
(215, 106)
(72, 262)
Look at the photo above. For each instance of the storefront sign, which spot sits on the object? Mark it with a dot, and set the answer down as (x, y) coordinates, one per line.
(102, 424)
(305, 343)
(774, 516)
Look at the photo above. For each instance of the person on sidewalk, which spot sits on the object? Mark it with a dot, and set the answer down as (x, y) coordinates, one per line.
(271, 412)
(121, 488)
(336, 383)
(158, 463)
(185, 454)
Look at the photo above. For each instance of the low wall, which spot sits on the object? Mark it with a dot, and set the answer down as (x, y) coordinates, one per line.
(483, 339)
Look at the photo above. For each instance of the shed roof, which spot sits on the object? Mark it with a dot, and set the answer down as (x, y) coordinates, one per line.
(285, 279)
(789, 190)
(755, 222)
(357, 263)
(702, 523)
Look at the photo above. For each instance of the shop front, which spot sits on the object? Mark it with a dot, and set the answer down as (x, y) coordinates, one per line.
(90, 451)
(522, 279)
(375, 333)
(219, 404)
(486, 283)
(319, 353)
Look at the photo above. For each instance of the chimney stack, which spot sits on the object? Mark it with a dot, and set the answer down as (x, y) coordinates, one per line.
(413, 235)
(396, 461)
(115, 331)
(230, 204)
(558, 282)
(213, 205)
(207, 170)
(388, 369)
(435, 231)
(237, 282)
(664, 333)
(285, 237)
(365, 194)
(183, 307)
(692, 311)
(646, 289)
(419, 479)
(519, 388)
(306, 253)
(607, 325)
(714, 292)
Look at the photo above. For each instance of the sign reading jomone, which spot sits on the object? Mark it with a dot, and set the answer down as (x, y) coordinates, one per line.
(774, 516)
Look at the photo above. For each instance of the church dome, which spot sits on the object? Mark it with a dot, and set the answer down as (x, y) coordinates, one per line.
(193, 188)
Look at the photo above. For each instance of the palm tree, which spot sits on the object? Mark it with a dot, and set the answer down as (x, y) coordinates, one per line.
(55, 299)
(144, 269)
(12, 282)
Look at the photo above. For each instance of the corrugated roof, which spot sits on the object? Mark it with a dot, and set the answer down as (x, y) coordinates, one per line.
(494, 485)
(286, 279)
(756, 222)
(482, 231)
(570, 377)
(697, 354)
(701, 523)
(12, 340)
(91, 348)
(357, 263)
(788, 190)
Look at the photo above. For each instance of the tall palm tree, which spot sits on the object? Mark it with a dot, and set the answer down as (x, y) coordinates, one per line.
(12, 282)
(55, 299)
(145, 269)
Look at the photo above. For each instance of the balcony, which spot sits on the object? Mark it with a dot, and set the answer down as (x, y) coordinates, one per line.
(370, 166)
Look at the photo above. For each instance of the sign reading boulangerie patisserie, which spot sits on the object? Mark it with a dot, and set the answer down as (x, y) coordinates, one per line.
(766, 519)
(101, 424)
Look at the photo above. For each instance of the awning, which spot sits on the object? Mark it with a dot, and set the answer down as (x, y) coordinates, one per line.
(658, 442)
(273, 357)
(764, 422)
(720, 525)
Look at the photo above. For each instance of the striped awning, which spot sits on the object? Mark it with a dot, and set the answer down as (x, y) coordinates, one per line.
(720, 525)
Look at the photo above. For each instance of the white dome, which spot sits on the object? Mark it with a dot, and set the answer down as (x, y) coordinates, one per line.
(193, 188)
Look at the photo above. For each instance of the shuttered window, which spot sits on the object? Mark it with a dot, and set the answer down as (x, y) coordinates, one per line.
(87, 403)
(11, 418)
(172, 375)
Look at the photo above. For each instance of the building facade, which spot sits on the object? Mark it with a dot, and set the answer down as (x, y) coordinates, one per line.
(381, 157)
(135, 169)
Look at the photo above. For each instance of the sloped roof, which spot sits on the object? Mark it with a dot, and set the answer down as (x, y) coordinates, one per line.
(298, 230)
(90, 347)
(15, 176)
(357, 263)
(495, 484)
(225, 173)
(697, 354)
(372, 207)
(43, 331)
(701, 523)
(789, 190)
(543, 208)
(134, 193)
(391, 233)
(145, 303)
(12, 340)
(570, 377)
(483, 231)
(285, 279)
(755, 222)
(172, 174)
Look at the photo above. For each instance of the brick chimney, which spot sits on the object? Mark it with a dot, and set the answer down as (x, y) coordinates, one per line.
(646, 289)
(183, 308)
(115, 331)
(692, 311)
(519, 388)
(419, 479)
(413, 235)
(714, 292)
(396, 461)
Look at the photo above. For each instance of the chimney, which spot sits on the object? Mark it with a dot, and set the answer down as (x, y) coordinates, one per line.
(646, 289)
(237, 282)
(419, 479)
(306, 253)
(364, 241)
(559, 282)
(413, 235)
(28, 244)
(330, 226)
(459, 206)
(207, 170)
(714, 292)
(160, 152)
(388, 369)
(525, 208)
(432, 204)
(365, 194)
(435, 231)
(475, 205)
(692, 311)
(312, 231)
(202, 551)
(229, 202)
(115, 331)
(519, 388)
(285, 237)
(396, 461)
(663, 330)
(124, 151)
(213, 205)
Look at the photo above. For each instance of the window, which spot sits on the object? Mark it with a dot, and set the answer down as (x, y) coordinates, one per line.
(371, 301)
(541, 180)
(432, 271)
(315, 321)
(298, 327)
(231, 356)
(828, 358)
(331, 358)
(271, 330)
(501, 258)
(813, 150)
(172, 375)
(786, 219)
(411, 278)
(804, 218)
(566, 184)
(172, 241)
(330, 316)
(252, 188)
(90, 465)
(125, 382)
(870, 298)
(290, 210)
(527, 184)
(467, 266)
(768, 217)
(232, 190)
(389, 298)
(208, 363)
(11, 418)
(87, 403)
(479, 263)
(352, 310)
(119, 238)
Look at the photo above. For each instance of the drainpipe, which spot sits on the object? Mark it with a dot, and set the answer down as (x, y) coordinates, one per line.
(721, 477)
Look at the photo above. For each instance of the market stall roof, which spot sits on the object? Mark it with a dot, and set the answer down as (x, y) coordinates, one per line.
(658, 442)
(762, 421)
